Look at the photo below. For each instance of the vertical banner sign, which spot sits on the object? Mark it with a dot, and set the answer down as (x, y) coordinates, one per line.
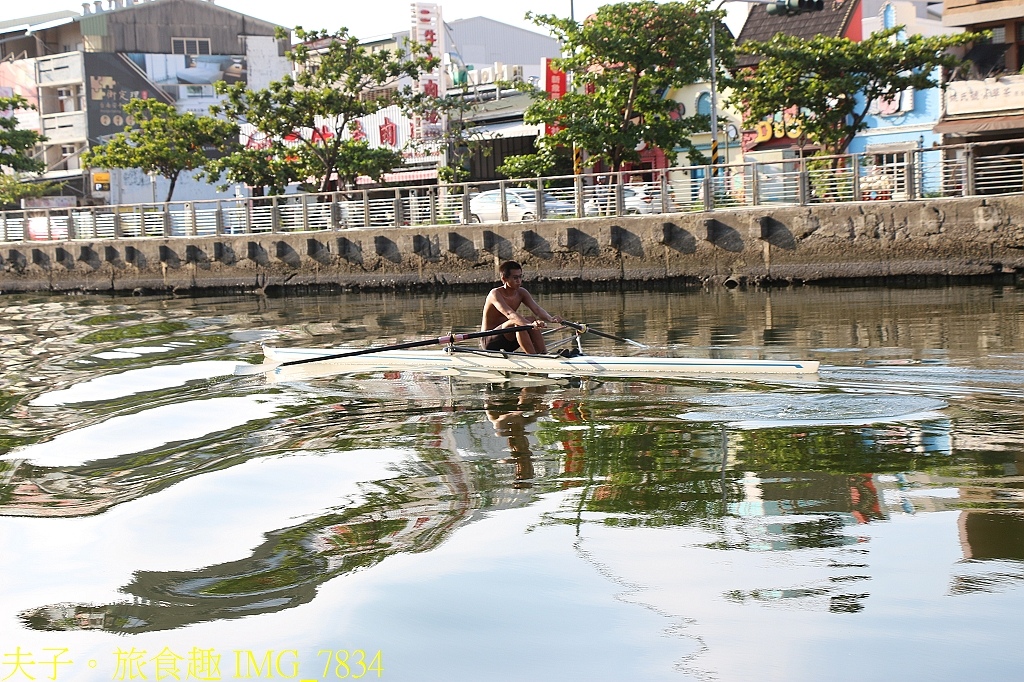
(428, 29)
(555, 82)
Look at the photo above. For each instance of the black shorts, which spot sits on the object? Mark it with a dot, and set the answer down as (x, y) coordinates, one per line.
(499, 342)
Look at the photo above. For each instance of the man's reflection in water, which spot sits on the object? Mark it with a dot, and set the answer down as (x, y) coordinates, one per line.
(510, 414)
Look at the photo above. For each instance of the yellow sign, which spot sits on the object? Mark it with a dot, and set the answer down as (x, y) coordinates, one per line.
(779, 126)
(101, 181)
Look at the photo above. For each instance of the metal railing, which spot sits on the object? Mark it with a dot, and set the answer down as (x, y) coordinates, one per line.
(949, 171)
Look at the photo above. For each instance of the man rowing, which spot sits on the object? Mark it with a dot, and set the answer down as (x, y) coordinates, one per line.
(501, 309)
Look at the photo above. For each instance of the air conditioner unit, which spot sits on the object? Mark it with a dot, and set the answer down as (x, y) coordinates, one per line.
(515, 73)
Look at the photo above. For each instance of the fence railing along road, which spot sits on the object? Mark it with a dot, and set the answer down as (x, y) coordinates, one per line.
(950, 171)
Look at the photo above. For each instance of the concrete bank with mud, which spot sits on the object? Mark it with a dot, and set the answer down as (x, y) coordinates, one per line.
(935, 238)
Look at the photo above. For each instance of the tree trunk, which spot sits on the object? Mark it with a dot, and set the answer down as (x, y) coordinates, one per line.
(170, 190)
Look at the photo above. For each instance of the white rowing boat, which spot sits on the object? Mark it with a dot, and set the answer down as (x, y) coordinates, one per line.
(457, 360)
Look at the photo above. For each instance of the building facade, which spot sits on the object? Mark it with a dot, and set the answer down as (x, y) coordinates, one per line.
(78, 70)
(984, 101)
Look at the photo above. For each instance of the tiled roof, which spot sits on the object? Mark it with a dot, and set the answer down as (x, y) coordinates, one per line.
(831, 21)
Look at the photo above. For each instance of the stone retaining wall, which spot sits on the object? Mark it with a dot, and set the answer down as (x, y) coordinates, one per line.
(936, 237)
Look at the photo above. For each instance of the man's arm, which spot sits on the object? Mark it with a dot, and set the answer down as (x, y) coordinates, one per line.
(537, 310)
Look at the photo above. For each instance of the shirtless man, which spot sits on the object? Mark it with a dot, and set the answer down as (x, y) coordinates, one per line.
(502, 310)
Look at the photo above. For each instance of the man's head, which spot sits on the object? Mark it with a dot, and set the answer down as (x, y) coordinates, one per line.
(510, 272)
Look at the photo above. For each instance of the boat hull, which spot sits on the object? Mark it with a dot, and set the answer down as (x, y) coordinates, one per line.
(479, 362)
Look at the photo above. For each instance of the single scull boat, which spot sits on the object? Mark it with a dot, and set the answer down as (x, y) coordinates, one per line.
(457, 360)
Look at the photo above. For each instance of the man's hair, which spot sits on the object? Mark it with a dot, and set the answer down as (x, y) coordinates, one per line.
(507, 267)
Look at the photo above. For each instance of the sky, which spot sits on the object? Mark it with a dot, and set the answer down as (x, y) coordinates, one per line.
(363, 19)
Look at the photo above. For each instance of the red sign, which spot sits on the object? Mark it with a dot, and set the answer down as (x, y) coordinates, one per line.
(555, 84)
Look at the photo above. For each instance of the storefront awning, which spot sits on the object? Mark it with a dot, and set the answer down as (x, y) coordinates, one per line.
(401, 176)
(510, 129)
(980, 125)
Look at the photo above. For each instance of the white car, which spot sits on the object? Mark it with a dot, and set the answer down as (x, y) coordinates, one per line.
(521, 205)
(635, 201)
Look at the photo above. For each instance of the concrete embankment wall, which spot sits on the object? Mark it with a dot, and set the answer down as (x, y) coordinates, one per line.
(939, 237)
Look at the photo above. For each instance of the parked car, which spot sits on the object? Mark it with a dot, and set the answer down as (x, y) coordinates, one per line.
(636, 200)
(521, 204)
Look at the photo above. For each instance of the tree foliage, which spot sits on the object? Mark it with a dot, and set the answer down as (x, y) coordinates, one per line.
(545, 162)
(16, 144)
(160, 140)
(301, 122)
(829, 83)
(622, 62)
(13, 190)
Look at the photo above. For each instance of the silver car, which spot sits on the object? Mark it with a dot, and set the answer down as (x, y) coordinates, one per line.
(635, 201)
(521, 205)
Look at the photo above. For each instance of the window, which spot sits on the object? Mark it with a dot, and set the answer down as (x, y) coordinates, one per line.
(704, 104)
(190, 46)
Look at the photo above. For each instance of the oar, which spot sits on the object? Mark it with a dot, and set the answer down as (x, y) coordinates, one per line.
(583, 329)
(441, 341)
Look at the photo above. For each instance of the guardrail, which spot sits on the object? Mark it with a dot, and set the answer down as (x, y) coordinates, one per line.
(949, 171)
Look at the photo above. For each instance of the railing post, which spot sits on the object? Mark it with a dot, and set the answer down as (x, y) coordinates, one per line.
(366, 208)
(248, 215)
(166, 219)
(467, 215)
(275, 215)
(804, 186)
(117, 222)
(709, 200)
(969, 170)
(755, 184)
(665, 208)
(855, 160)
(218, 220)
(433, 195)
(72, 230)
(3, 225)
(503, 196)
(538, 200)
(193, 228)
(620, 199)
(396, 207)
(577, 183)
(911, 166)
(305, 212)
(335, 212)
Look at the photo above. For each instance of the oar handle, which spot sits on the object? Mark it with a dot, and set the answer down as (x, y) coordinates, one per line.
(583, 329)
(440, 341)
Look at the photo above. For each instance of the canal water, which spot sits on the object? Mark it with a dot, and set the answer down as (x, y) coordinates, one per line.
(164, 518)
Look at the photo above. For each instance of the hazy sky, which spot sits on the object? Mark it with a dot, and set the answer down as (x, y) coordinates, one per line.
(366, 18)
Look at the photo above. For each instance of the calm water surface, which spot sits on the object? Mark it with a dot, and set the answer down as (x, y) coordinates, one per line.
(161, 518)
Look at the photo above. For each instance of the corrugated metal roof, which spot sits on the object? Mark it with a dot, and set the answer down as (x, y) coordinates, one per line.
(32, 21)
(483, 41)
(480, 40)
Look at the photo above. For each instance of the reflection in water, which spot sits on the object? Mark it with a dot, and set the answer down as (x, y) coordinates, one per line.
(916, 416)
(510, 415)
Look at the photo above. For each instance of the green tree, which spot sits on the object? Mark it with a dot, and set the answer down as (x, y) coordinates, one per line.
(302, 120)
(622, 61)
(16, 144)
(13, 190)
(161, 140)
(829, 83)
(546, 161)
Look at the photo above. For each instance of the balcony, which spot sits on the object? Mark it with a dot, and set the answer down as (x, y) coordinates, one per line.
(60, 69)
(65, 128)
